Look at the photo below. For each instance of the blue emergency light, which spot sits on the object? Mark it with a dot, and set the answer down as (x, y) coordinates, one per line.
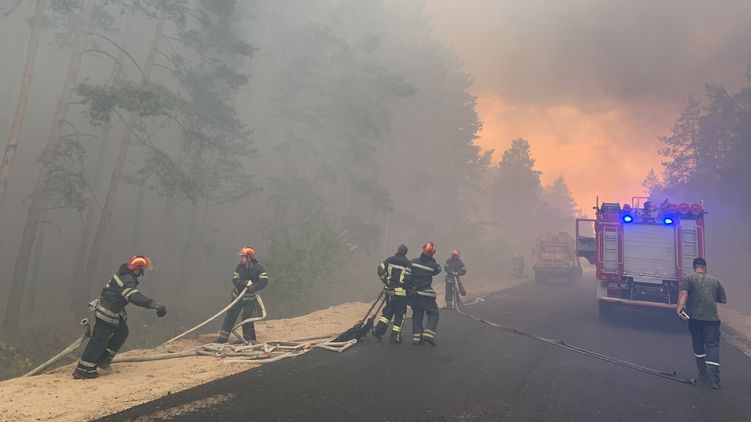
(668, 221)
(627, 218)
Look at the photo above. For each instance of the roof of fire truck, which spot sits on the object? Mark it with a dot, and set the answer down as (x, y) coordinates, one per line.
(665, 213)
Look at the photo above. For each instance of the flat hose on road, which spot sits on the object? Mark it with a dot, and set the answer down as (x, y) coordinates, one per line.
(563, 345)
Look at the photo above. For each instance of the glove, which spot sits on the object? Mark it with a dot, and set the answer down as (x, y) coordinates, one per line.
(161, 310)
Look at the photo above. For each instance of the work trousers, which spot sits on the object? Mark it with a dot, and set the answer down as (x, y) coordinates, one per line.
(422, 306)
(705, 338)
(249, 308)
(393, 312)
(451, 292)
(106, 340)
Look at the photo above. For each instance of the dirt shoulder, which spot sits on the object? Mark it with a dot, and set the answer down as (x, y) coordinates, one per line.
(57, 396)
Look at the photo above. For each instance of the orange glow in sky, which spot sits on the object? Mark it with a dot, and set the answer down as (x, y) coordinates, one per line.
(606, 152)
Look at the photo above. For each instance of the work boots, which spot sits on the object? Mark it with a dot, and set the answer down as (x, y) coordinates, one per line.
(713, 373)
(379, 330)
(701, 375)
(396, 337)
(80, 375)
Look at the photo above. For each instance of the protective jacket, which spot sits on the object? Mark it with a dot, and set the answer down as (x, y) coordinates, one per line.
(120, 290)
(394, 271)
(454, 265)
(243, 274)
(423, 270)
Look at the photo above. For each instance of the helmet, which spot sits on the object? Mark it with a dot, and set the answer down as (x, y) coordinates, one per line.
(456, 253)
(428, 248)
(140, 262)
(247, 251)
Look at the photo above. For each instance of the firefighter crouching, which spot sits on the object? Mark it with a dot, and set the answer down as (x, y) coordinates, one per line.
(110, 328)
(394, 272)
(454, 268)
(249, 273)
(422, 296)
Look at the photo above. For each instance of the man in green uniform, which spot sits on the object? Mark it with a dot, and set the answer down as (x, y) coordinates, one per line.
(697, 304)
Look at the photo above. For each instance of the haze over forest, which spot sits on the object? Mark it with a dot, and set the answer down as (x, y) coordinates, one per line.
(325, 133)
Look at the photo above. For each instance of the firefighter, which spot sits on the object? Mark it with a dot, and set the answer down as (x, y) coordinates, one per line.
(394, 272)
(697, 303)
(110, 328)
(249, 273)
(454, 268)
(422, 296)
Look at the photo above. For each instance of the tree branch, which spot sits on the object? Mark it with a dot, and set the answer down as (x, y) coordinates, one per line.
(122, 50)
(10, 10)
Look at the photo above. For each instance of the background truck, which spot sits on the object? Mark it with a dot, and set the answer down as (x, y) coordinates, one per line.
(555, 258)
(640, 251)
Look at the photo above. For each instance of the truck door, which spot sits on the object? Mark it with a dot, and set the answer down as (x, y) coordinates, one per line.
(586, 244)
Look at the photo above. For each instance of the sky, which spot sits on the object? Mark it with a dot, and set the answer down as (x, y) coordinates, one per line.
(592, 84)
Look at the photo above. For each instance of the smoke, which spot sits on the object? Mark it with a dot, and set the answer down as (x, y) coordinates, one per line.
(592, 83)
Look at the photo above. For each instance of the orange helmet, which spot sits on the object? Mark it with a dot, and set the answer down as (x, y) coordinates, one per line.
(456, 253)
(428, 248)
(247, 251)
(140, 262)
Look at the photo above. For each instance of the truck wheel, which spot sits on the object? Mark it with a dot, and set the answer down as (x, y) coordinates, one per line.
(605, 309)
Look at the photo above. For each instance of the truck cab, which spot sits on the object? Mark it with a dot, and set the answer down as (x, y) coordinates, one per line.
(555, 258)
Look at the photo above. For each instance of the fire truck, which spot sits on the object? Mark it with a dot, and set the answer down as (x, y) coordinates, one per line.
(640, 251)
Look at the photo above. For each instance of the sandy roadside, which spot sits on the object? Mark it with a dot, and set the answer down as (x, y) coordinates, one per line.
(59, 397)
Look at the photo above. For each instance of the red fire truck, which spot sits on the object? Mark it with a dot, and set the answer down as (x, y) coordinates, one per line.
(640, 250)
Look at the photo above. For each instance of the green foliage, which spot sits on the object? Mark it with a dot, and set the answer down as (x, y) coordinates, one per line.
(146, 100)
(66, 183)
(12, 363)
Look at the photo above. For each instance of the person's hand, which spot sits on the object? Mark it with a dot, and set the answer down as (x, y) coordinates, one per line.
(681, 313)
(249, 283)
(161, 310)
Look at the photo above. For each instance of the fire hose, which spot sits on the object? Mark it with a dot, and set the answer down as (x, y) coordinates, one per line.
(671, 375)
(257, 353)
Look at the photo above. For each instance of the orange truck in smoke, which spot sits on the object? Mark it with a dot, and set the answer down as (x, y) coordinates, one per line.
(555, 258)
(640, 251)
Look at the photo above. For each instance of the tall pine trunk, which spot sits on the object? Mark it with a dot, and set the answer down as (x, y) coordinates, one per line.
(78, 293)
(23, 99)
(37, 206)
(97, 245)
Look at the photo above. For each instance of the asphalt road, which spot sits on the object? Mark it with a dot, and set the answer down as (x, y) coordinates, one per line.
(481, 373)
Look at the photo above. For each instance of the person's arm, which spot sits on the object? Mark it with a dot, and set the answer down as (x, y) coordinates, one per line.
(263, 280)
(382, 272)
(462, 269)
(238, 282)
(721, 296)
(436, 269)
(682, 299)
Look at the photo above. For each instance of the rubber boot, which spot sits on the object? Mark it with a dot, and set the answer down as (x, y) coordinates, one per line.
(79, 375)
(713, 373)
(396, 337)
(416, 339)
(379, 330)
(701, 368)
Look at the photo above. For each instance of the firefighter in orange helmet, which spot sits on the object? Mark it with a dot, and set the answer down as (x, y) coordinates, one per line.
(110, 328)
(248, 273)
(422, 296)
(454, 268)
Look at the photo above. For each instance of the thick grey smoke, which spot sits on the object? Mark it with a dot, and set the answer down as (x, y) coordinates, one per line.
(589, 51)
